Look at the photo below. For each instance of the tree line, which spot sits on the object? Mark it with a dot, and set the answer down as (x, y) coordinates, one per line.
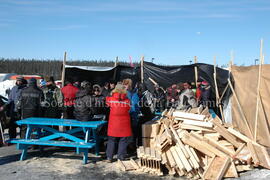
(47, 67)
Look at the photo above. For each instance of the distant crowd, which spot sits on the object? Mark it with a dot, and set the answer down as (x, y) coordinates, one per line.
(118, 102)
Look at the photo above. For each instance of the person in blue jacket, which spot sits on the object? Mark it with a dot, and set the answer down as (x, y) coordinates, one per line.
(132, 94)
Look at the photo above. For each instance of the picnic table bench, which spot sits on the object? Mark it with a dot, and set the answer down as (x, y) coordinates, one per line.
(46, 135)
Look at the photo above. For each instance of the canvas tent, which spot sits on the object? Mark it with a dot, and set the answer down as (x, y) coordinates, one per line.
(245, 87)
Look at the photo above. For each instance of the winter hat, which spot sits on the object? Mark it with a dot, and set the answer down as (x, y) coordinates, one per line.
(32, 81)
(96, 86)
(205, 83)
(19, 78)
(43, 83)
(85, 84)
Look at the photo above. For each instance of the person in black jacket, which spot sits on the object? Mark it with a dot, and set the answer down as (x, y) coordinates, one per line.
(84, 103)
(159, 99)
(99, 100)
(30, 101)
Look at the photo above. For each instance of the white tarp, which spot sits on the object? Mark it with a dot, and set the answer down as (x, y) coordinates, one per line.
(91, 68)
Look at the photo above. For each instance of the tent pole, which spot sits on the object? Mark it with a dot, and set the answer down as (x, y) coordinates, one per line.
(224, 91)
(115, 64)
(216, 88)
(142, 62)
(196, 70)
(258, 90)
(240, 108)
(232, 57)
(116, 61)
(64, 69)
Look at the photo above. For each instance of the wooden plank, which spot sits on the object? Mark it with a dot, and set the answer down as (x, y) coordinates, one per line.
(170, 169)
(170, 158)
(184, 160)
(198, 123)
(239, 135)
(219, 146)
(121, 165)
(231, 172)
(196, 128)
(192, 158)
(208, 166)
(240, 108)
(241, 168)
(164, 158)
(239, 150)
(263, 156)
(207, 145)
(177, 159)
(217, 168)
(253, 153)
(194, 154)
(179, 142)
(134, 163)
(214, 136)
(197, 117)
(197, 144)
(224, 133)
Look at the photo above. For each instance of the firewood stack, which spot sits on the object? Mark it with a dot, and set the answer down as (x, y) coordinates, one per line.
(194, 144)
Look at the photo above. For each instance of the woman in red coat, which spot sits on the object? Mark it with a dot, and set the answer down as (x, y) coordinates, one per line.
(119, 128)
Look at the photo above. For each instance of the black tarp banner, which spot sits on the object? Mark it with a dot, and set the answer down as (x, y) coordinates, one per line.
(165, 76)
(100, 75)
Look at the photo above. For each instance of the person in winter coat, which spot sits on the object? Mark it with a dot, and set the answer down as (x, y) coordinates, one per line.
(30, 101)
(83, 108)
(205, 99)
(172, 96)
(2, 119)
(187, 98)
(119, 127)
(133, 96)
(12, 104)
(99, 100)
(105, 90)
(69, 92)
(159, 99)
(53, 99)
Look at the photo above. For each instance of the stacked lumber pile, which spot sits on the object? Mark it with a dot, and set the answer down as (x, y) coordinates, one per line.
(150, 160)
(195, 145)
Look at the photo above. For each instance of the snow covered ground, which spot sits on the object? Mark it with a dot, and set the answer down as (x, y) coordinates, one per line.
(56, 163)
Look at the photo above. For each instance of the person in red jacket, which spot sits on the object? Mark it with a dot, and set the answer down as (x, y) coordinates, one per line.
(69, 92)
(119, 127)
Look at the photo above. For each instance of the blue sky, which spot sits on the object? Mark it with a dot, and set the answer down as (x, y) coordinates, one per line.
(171, 31)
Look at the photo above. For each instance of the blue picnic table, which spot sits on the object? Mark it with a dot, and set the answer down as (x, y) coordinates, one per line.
(47, 135)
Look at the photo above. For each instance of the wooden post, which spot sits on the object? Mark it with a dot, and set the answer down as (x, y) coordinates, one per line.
(116, 61)
(216, 88)
(142, 61)
(64, 69)
(258, 91)
(232, 57)
(115, 65)
(196, 70)
(240, 108)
